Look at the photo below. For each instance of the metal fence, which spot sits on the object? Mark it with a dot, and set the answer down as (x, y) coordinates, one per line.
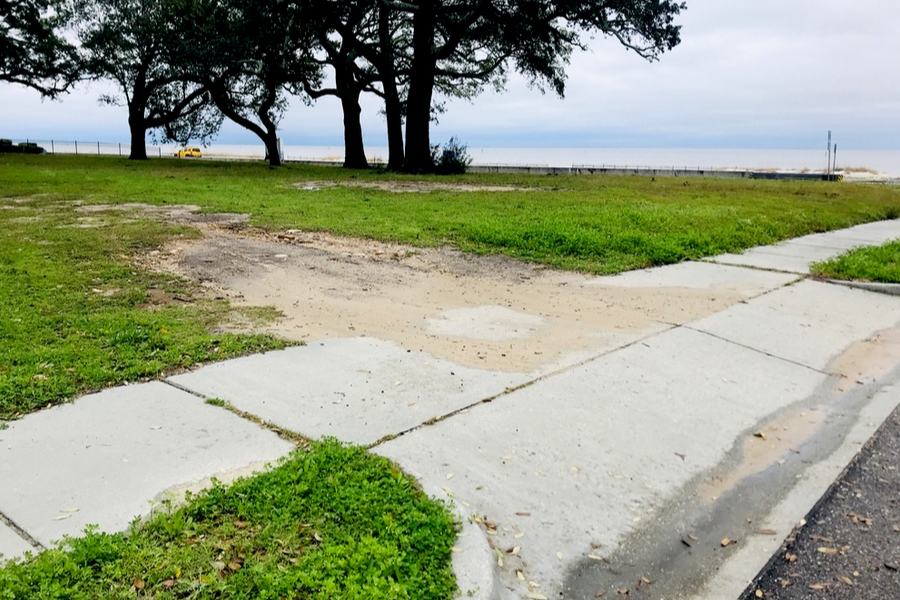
(91, 148)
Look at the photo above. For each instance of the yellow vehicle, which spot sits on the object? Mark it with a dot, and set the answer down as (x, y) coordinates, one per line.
(189, 152)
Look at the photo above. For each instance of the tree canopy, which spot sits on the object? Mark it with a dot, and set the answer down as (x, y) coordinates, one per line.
(33, 52)
(133, 44)
(183, 65)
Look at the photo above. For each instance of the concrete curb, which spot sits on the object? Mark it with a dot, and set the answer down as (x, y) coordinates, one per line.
(474, 564)
(892, 289)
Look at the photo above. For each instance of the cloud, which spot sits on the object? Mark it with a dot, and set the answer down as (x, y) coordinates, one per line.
(767, 73)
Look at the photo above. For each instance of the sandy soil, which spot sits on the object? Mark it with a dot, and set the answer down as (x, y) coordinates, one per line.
(480, 311)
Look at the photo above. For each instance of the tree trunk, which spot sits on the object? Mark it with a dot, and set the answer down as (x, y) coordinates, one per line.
(270, 139)
(138, 127)
(421, 88)
(393, 110)
(348, 91)
(354, 150)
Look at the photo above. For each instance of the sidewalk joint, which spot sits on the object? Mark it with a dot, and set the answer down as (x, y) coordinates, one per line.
(758, 351)
(515, 388)
(295, 438)
(21, 533)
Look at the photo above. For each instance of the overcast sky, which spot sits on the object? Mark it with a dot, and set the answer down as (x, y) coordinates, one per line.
(748, 74)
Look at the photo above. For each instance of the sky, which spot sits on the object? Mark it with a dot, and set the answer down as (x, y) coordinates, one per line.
(755, 74)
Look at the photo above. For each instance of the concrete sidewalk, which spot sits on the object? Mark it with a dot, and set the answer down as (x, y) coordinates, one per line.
(624, 468)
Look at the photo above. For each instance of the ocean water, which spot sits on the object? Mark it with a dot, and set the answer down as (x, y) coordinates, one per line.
(884, 162)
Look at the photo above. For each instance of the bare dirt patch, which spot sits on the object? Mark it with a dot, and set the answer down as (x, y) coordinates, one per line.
(420, 187)
(481, 311)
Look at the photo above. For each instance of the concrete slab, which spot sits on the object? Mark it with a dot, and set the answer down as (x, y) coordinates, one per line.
(105, 458)
(699, 275)
(789, 257)
(568, 467)
(810, 322)
(797, 254)
(355, 389)
(11, 545)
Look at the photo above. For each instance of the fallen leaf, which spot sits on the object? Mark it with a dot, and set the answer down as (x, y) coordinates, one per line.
(600, 594)
(726, 542)
(791, 558)
(523, 514)
(516, 550)
(760, 435)
(680, 455)
(139, 584)
(623, 592)
(767, 532)
(236, 564)
(559, 555)
(241, 524)
(535, 596)
(455, 549)
(820, 586)
(827, 550)
(686, 541)
(892, 566)
(645, 581)
(61, 517)
(169, 583)
(845, 580)
(449, 475)
(759, 593)
(520, 575)
(68, 510)
(595, 557)
(519, 535)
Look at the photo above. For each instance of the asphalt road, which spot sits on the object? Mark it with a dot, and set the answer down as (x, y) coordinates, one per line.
(849, 547)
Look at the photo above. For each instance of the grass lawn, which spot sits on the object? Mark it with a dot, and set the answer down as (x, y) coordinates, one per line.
(878, 263)
(596, 224)
(333, 523)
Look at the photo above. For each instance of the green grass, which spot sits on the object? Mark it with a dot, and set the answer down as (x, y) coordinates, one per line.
(879, 264)
(74, 311)
(334, 523)
(597, 224)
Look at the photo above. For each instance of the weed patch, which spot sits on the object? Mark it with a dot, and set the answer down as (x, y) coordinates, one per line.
(335, 522)
(880, 264)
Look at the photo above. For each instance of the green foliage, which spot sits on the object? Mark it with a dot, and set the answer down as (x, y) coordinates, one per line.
(451, 159)
(23, 148)
(333, 523)
(33, 52)
(880, 264)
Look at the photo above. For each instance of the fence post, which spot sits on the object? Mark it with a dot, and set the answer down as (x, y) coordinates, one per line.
(76, 147)
(120, 148)
(98, 148)
(52, 149)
